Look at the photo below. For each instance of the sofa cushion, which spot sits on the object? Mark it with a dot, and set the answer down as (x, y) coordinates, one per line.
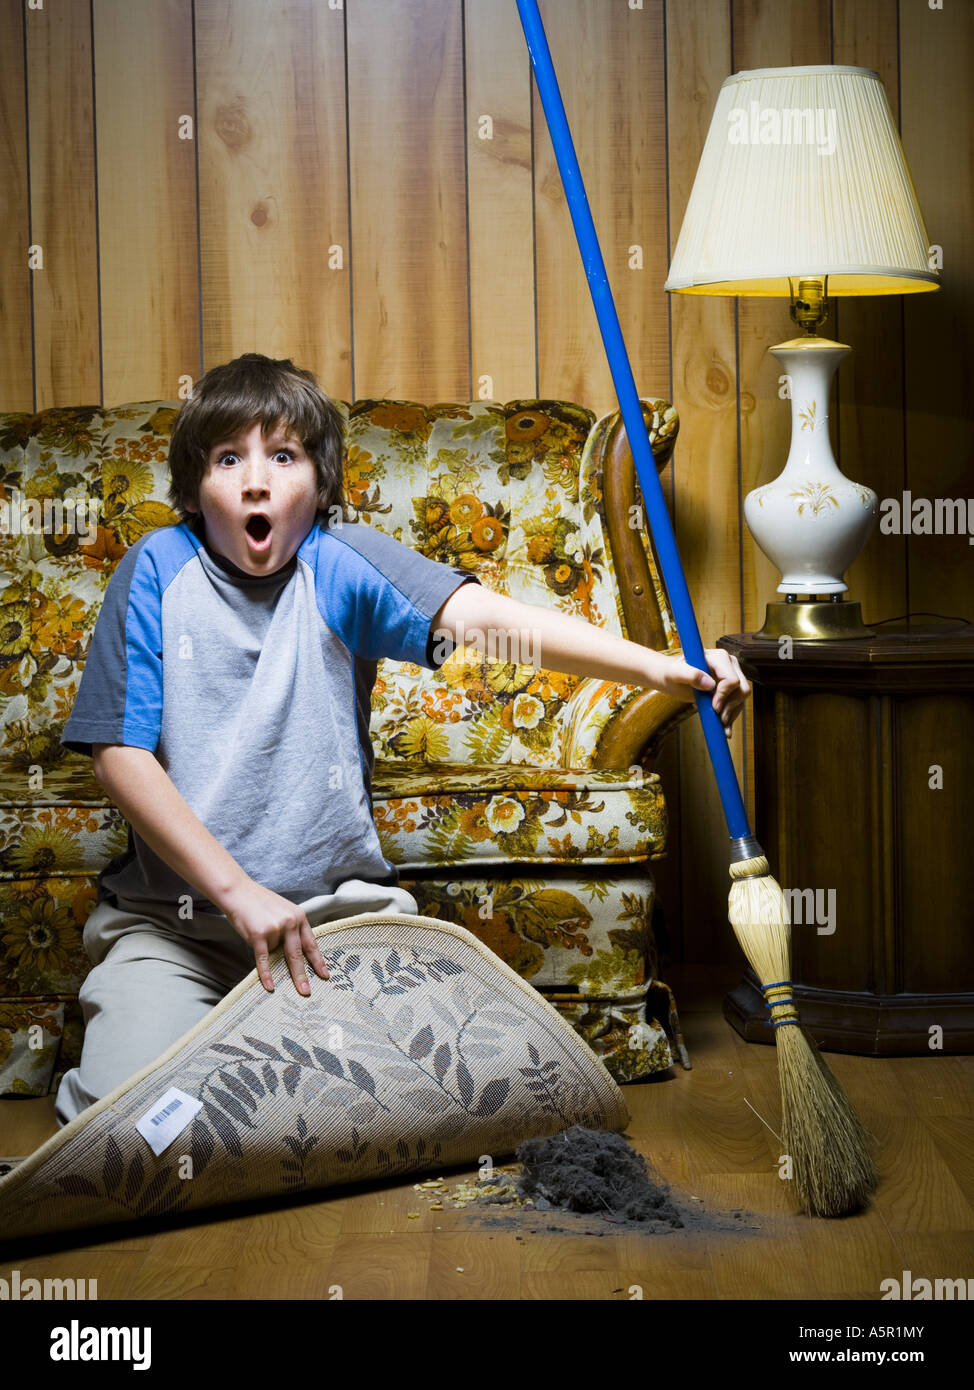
(444, 814)
(426, 814)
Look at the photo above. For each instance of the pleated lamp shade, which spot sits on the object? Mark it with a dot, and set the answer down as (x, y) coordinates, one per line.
(802, 175)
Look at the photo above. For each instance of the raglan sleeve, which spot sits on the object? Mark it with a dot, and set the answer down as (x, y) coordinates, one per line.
(392, 593)
(119, 699)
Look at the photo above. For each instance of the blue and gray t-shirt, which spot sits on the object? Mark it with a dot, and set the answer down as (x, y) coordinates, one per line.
(253, 692)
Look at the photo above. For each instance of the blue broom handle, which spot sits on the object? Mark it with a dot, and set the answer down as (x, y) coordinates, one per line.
(632, 415)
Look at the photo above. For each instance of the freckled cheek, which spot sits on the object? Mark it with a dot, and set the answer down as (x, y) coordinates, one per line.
(300, 494)
(296, 487)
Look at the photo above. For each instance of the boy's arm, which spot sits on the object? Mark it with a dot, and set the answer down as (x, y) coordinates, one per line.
(143, 791)
(558, 642)
(145, 794)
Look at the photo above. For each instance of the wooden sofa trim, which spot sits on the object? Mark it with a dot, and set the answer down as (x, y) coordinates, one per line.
(619, 491)
(635, 734)
(633, 737)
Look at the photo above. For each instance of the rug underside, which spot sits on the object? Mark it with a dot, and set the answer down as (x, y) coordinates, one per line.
(422, 1051)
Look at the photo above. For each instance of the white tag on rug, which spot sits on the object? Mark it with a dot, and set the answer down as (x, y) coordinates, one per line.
(168, 1118)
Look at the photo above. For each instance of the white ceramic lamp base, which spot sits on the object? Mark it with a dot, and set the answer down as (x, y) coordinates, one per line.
(811, 521)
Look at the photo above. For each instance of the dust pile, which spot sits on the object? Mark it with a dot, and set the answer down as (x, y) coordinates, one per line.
(584, 1173)
(594, 1170)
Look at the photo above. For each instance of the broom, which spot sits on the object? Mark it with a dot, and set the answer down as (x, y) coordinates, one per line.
(827, 1143)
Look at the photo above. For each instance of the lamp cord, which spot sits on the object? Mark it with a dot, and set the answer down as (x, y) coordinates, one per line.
(947, 617)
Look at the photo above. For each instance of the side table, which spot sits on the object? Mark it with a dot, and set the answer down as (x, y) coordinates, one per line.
(864, 796)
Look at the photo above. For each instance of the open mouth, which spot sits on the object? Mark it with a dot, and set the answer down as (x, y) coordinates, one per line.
(258, 528)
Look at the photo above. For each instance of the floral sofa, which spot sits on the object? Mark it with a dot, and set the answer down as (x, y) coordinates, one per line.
(516, 801)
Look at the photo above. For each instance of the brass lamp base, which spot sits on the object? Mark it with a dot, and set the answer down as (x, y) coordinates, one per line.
(813, 621)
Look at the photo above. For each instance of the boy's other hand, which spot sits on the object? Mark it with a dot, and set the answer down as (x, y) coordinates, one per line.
(263, 918)
(676, 677)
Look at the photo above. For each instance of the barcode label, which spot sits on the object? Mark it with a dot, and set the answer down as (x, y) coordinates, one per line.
(167, 1118)
(158, 1119)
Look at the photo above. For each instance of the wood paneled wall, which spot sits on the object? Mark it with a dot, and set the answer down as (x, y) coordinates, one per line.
(308, 178)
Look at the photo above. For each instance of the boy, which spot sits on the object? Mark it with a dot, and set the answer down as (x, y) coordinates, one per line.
(229, 674)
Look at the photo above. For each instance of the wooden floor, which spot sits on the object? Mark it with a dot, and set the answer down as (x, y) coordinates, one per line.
(699, 1130)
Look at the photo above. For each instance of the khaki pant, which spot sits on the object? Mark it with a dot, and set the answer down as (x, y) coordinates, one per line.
(155, 976)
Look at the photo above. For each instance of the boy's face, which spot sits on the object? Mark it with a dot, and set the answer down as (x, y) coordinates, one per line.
(250, 475)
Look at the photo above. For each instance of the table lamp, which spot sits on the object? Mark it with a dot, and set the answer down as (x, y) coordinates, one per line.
(803, 191)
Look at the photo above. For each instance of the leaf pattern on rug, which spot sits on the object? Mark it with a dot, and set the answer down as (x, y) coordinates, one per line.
(435, 1056)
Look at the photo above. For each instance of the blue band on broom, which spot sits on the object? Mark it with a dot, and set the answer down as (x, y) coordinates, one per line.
(827, 1143)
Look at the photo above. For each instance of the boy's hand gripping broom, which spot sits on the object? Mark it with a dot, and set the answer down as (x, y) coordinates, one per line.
(828, 1145)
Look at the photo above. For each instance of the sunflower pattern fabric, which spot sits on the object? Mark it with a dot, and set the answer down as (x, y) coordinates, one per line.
(485, 792)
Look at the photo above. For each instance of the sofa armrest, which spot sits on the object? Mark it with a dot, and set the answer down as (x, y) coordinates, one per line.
(608, 725)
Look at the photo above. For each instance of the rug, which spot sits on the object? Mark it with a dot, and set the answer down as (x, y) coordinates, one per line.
(422, 1051)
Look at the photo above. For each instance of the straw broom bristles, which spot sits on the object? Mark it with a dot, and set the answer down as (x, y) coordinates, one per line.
(828, 1144)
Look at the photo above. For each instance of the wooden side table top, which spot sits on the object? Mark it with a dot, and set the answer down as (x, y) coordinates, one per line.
(898, 658)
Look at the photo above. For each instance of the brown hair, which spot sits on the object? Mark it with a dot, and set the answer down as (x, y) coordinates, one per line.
(238, 394)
